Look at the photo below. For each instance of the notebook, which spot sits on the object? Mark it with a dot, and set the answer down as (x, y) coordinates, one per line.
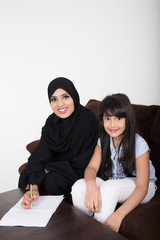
(38, 216)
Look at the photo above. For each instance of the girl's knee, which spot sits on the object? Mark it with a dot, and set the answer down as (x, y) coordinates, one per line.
(109, 189)
(118, 189)
(151, 192)
(78, 187)
(108, 185)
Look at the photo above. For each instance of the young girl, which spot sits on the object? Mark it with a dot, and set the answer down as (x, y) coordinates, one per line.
(121, 161)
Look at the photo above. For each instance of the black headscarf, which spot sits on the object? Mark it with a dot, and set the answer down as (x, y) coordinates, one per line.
(65, 84)
(58, 131)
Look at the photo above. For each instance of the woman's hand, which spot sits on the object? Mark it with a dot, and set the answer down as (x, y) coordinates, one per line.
(46, 171)
(26, 203)
(93, 198)
(114, 221)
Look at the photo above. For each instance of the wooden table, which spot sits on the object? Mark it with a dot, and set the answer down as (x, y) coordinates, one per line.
(67, 223)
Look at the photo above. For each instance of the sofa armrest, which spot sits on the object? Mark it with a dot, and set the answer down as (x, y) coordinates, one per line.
(30, 147)
(22, 167)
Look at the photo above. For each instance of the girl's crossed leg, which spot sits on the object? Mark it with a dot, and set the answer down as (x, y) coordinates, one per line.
(112, 192)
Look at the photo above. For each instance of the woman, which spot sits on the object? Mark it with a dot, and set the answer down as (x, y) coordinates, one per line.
(66, 145)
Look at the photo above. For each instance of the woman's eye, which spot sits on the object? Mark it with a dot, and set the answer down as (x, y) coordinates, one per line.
(53, 99)
(119, 118)
(65, 97)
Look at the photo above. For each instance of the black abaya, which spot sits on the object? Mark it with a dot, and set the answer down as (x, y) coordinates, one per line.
(65, 149)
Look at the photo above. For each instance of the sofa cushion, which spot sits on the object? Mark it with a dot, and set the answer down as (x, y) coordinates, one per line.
(155, 131)
(143, 222)
(93, 105)
(144, 119)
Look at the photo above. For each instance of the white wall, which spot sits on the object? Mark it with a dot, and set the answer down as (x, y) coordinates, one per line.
(103, 46)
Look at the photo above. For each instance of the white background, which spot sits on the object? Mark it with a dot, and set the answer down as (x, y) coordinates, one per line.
(103, 46)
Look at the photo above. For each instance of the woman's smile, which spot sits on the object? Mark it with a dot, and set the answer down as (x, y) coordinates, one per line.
(62, 110)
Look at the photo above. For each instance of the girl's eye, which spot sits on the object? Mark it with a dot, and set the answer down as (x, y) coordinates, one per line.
(107, 118)
(119, 118)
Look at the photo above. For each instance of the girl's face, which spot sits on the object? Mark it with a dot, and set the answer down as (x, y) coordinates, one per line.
(114, 126)
(62, 103)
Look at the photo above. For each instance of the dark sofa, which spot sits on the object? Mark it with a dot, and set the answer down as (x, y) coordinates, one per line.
(143, 223)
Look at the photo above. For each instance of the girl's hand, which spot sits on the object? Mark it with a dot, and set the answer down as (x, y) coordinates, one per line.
(93, 199)
(26, 203)
(114, 221)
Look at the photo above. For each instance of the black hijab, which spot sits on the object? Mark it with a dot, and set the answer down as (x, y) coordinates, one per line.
(57, 131)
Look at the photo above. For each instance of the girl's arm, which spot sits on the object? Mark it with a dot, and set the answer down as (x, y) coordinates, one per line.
(142, 181)
(93, 197)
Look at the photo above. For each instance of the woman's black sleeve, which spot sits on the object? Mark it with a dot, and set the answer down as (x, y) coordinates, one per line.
(34, 172)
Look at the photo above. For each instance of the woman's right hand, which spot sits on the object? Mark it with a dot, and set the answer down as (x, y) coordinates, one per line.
(93, 198)
(26, 203)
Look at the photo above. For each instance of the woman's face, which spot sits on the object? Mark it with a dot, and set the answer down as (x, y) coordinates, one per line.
(62, 103)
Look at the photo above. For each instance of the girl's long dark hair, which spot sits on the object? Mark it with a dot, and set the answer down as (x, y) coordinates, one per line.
(117, 105)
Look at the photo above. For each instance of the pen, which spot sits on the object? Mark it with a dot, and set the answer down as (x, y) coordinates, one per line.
(31, 193)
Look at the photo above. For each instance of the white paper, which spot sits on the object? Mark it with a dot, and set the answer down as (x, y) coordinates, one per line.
(38, 216)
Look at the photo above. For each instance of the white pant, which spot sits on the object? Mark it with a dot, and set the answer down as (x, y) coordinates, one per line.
(112, 192)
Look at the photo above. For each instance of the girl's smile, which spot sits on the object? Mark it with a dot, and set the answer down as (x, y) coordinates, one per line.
(113, 130)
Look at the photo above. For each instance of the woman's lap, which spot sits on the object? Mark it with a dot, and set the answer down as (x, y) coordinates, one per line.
(57, 184)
